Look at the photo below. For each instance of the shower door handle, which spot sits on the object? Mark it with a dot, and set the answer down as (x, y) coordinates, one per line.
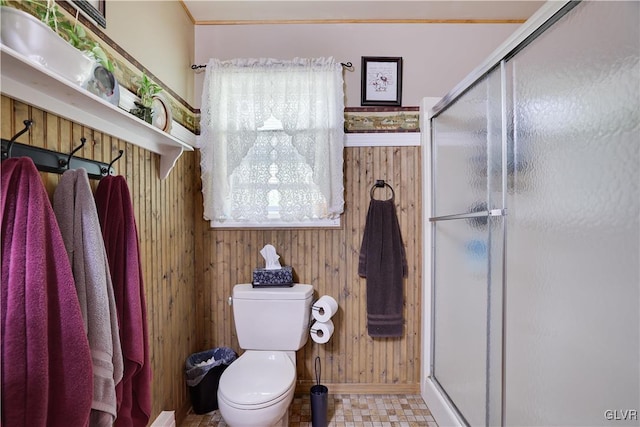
(492, 212)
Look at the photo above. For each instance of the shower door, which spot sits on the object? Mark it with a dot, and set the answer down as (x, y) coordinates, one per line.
(467, 179)
(573, 235)
(536, 228)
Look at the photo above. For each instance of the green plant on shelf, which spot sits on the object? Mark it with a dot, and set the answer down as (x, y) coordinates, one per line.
(146, 91)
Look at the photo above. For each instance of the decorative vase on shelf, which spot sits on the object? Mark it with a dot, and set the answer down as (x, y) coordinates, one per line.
(31, 38)
(104, 85)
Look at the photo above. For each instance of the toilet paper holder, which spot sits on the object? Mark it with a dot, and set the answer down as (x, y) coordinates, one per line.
(324, 308)
(322, 332)
(312, 320)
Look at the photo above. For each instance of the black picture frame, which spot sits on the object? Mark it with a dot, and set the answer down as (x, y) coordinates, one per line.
(94, 9)
(381, 81)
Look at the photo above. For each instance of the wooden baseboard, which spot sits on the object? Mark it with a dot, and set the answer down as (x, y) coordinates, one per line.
(182, 412)
(304, 387)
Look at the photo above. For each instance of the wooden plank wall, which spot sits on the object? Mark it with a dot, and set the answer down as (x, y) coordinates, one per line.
(164, 216)
(352, 361)
(190, 269)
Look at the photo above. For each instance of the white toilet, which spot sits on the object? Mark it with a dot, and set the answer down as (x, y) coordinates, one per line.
(272, 324)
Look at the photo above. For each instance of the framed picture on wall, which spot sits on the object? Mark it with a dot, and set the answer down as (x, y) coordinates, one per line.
(381, 81)
(94, 9)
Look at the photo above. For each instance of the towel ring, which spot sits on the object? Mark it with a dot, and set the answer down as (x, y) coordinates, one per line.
(381, 184)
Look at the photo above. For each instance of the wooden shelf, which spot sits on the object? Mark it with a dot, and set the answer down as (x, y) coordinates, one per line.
(34, 84)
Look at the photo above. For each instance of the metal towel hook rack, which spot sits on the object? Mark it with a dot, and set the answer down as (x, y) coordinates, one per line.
(52, 161)
(27, 126)
(65, 163)
(120, 152)
(380, 183)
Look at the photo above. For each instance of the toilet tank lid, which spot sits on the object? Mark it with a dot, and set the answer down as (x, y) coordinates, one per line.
(297, 291)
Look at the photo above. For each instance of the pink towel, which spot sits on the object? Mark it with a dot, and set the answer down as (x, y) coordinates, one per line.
(121, 242)
(75, 209)
(46, 364)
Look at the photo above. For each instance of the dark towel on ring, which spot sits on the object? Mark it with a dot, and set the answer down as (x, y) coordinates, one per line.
(384, 263)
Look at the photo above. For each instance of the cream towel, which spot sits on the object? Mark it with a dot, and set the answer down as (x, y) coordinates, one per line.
(75, 209)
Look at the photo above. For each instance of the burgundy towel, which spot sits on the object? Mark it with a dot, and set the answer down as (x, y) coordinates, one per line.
(75, 209)
(383, 262)
(120, 234)
(46, 363)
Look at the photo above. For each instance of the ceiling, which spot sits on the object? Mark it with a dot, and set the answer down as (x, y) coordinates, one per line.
(264, 11)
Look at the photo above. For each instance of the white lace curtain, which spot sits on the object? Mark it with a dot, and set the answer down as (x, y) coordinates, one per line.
(244, 169)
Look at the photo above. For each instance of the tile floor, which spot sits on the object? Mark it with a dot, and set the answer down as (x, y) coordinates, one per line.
(346, 410)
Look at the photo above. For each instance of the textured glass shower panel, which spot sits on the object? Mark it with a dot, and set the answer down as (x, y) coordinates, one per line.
(460, 315)
(573, 248)
(467, 305)
(467, 325)
(462, 137)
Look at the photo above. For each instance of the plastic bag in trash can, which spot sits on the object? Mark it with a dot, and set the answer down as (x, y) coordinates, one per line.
(198, 364)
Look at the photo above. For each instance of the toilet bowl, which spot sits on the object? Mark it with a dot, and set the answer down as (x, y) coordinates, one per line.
(272, 324)
(257, 389)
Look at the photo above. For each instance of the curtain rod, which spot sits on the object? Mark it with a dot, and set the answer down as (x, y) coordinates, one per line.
(344, 64)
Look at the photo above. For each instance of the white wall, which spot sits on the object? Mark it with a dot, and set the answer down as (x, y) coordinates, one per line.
(436, 57)
(159, 35)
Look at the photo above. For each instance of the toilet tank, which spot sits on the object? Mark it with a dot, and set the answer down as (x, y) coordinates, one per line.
(272, 318)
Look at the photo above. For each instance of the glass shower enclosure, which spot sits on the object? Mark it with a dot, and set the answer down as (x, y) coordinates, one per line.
(535, 226)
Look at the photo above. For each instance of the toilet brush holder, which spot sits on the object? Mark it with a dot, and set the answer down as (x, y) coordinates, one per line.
(319, 400)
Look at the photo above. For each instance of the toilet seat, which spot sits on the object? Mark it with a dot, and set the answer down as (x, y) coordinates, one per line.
(257, 379)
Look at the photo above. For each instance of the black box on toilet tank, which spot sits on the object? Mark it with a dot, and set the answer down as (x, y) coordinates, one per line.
(281, 277)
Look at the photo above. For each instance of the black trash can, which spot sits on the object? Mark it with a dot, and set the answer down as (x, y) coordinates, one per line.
(202, 371)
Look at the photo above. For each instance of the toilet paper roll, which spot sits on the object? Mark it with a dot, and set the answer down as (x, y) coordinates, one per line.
(324, 308)
(321, 331)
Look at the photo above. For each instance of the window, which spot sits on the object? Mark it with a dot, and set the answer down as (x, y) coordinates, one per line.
(271, 142)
